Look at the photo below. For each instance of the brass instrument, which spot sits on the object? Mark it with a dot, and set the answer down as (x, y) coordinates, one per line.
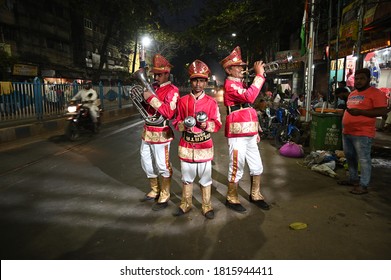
(269, 67)
(136, 94)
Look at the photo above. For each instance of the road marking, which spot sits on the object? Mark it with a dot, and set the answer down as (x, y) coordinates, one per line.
(122, 129)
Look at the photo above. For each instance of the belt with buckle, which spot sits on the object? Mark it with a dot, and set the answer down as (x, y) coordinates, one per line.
(196, 137)
(236, 107)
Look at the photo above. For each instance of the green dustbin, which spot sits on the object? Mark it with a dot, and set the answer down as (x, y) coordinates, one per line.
(326, 131)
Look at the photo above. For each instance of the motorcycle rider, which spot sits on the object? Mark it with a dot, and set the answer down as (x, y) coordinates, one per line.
(90, 100)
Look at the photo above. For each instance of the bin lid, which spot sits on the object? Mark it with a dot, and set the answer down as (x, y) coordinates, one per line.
(329, 110)
(334, 114)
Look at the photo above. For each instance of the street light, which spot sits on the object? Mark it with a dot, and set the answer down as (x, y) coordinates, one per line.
(145, 42)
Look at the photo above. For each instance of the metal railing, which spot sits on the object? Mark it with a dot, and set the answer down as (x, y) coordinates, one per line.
(39, 101)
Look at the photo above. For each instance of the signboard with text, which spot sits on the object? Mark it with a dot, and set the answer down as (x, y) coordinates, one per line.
(25, 70)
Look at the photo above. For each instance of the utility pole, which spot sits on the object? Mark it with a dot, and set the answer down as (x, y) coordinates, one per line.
(329, 90)
(135, 53)
(310, 76)
(361, 9)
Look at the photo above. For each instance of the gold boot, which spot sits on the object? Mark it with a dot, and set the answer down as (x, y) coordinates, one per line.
(186, 201)
(164, 194)
(232, 201)
(256, 197)
(207, 209)
(155, 190)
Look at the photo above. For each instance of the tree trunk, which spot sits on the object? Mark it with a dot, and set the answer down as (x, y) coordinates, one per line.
(103, 51)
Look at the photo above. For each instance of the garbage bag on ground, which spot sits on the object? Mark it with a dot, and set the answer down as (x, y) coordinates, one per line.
(324, 169)
(292, 149)
(320, 157)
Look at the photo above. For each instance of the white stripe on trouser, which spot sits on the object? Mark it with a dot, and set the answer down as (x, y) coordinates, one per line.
(247, 150)
(153, 159)
(190, 170)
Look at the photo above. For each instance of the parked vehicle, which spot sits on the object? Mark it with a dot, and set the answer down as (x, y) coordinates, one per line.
(270, 121)
(288, 131)
(79, 121)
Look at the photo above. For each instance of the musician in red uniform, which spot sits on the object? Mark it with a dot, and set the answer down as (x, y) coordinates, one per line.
(241, 129)
(156, 139)
(197, 117)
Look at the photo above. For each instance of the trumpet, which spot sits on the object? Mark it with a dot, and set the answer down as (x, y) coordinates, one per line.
(269, 67)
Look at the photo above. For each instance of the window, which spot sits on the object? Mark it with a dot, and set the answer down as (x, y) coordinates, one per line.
(88, 23)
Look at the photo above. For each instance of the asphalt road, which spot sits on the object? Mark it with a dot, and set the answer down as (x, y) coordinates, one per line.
(62, 200)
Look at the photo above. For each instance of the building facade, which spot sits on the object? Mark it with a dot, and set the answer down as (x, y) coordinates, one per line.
(51, 40)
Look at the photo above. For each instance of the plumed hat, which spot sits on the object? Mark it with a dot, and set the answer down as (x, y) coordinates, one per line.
(234, 58)
(160, 64)
(198, 69)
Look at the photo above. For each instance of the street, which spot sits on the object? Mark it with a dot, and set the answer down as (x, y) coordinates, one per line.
(64, 200)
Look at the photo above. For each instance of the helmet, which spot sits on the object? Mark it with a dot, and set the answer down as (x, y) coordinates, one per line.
(87, 85)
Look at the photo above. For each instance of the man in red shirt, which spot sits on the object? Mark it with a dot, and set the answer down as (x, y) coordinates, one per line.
(241, 129)
(359, 125)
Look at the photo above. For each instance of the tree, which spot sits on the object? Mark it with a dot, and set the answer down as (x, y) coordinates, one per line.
(116, 20)
(259, 25)
(121, 21)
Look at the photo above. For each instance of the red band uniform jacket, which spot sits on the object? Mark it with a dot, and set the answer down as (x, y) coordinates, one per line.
(242, 121)
(188, 105)
(164, 103)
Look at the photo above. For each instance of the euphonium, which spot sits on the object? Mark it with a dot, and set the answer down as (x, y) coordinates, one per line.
(136, 94)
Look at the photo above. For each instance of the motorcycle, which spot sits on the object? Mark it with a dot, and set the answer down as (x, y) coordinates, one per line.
(80, 121)
(270, 120)
(288, 131)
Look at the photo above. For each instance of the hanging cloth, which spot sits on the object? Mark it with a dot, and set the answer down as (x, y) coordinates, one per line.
(6, 88)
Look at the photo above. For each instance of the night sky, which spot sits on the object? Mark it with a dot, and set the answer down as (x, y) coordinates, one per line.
(179, 23)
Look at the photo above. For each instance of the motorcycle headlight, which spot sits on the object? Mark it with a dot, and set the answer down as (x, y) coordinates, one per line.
(72, 109)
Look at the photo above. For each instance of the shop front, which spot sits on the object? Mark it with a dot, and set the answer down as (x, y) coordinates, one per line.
(379, 63)
(371, 50)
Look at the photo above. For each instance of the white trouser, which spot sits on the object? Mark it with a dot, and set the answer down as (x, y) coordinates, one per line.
(93, 111)
(388, 120)
(242, 149)
(155, 159)
(190, 170)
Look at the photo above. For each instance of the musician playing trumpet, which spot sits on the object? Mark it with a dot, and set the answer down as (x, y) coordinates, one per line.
(241, 129)
(156, 139)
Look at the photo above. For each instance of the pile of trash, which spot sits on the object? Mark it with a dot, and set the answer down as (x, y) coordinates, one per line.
(325, 162)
